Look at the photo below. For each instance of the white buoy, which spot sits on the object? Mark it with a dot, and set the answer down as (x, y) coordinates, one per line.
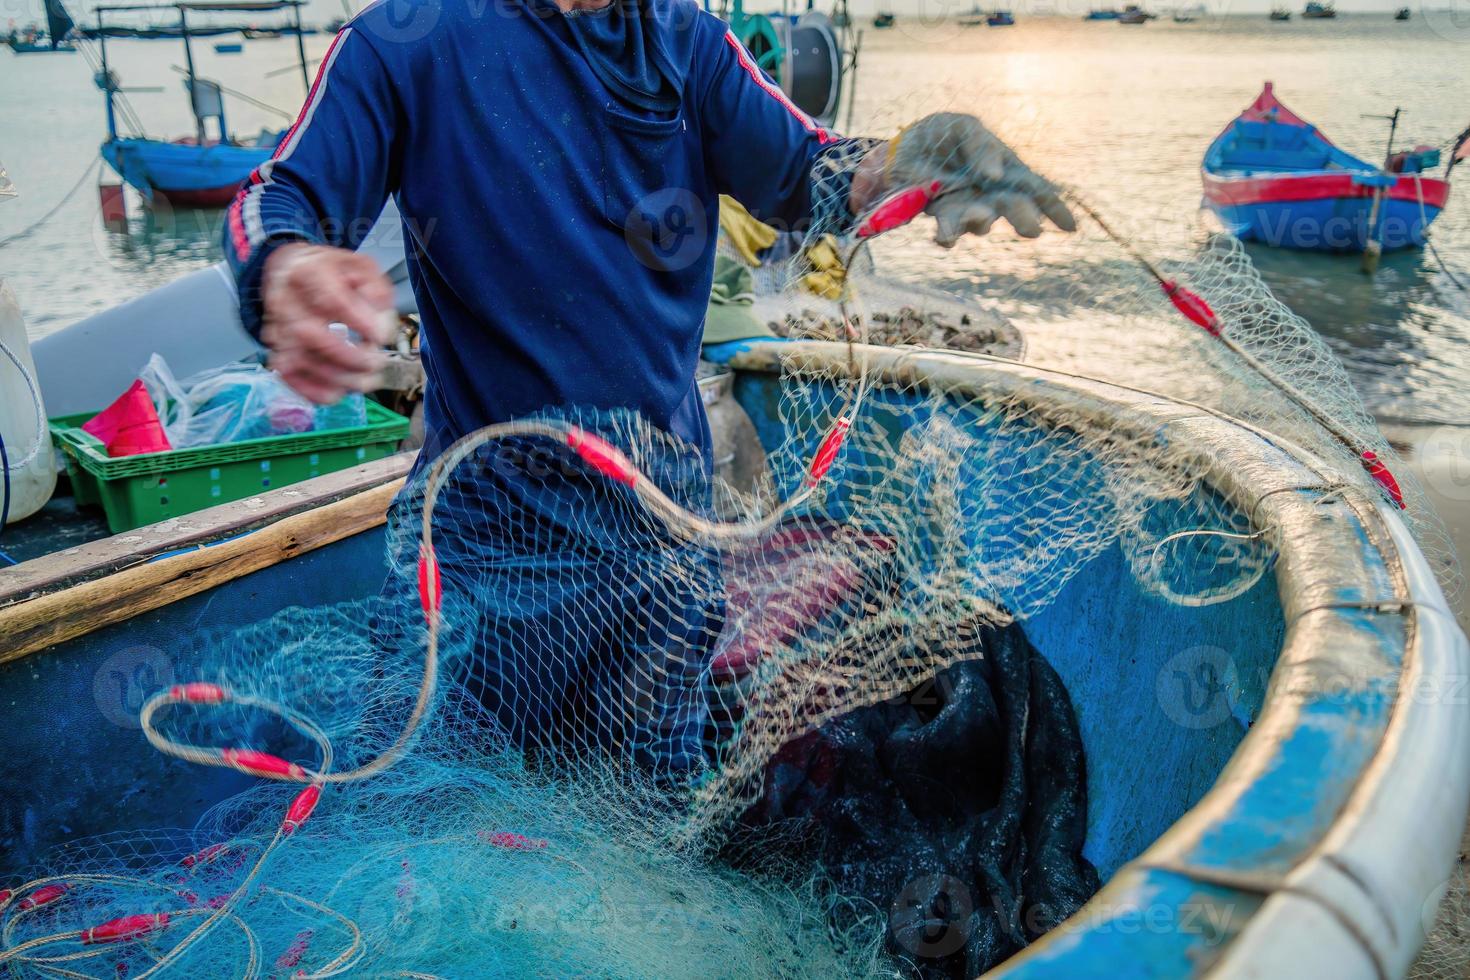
(22, 417)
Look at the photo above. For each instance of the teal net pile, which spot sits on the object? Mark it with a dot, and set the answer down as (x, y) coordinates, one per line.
(610, 716)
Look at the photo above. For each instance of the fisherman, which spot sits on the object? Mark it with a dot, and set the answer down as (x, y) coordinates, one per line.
(557, 164)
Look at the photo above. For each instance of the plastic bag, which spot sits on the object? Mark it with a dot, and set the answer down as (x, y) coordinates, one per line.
(236, 402)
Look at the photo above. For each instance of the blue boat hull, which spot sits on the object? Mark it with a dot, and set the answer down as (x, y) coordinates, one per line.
(1328, 224)
(187, 174)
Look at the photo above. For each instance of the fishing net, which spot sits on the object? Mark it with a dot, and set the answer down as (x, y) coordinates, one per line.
(610, 716)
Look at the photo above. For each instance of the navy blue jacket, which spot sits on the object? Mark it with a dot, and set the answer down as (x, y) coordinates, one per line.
(560, 242)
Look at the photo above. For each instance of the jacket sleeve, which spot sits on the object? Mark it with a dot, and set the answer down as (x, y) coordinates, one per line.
(758, 145)
(329, 176)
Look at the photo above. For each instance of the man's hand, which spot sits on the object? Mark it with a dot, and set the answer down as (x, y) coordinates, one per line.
(975, 178)
(304, 289)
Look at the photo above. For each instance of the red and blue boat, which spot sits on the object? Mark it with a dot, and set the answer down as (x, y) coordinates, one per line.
(203, 170)
(1273, 177)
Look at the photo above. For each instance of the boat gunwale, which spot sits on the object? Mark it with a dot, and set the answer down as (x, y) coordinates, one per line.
(1351, 874)
(93, 560)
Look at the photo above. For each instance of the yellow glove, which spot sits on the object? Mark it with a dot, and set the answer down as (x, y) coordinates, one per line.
(828, 275)
(744, 232)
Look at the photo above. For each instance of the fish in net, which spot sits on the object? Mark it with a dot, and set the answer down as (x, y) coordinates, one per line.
(609, 716)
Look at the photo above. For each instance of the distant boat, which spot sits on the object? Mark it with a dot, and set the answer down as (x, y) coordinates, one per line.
(1134, 14)
(34, 41)
(201, 170)
(1319, 11)
(883, 20)
(1272, 177)
(1404, 13)
(1000, 18)
(1280, 13)
(1108, 14)
(24, 45)
(229, 47)
(1188, 15)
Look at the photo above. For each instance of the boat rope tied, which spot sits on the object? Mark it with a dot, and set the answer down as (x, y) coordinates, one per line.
(602, 456)
(1192, 305)
(300, 809)
(1383, 477)
(262, 764)
(125, 929)
(431, 590)
(198, 692)
(899, 209)
(827, 452)
(43, 896)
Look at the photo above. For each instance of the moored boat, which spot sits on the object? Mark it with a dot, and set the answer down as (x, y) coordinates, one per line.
(1319, 11)
(1107, 14)
(1403, 13)
(883, 20)
(54, 38)
(1000, 18)
(1280, 13)
(203, 170)
(1134, 14)
(1273, 177)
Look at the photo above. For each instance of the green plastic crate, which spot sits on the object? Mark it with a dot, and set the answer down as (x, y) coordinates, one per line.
(151, 487)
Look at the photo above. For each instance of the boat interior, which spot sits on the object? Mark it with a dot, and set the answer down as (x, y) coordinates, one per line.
(1251, 146)
(1209, 776)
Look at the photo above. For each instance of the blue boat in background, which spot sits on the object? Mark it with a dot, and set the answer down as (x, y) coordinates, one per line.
(186, 173)
(1272, 177)
(203, 170)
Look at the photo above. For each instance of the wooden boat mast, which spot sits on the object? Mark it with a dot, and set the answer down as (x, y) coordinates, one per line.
(193, 80)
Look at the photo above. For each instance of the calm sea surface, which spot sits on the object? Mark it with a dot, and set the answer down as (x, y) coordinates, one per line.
(1122, 113)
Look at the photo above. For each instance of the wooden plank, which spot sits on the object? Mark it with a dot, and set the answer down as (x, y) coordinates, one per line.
(97, 558)
(54, 617)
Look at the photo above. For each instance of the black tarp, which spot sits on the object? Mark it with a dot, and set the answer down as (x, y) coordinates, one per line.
(957, 812)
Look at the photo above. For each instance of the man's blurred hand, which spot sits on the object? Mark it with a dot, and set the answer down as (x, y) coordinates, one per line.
(978, 178)
(305, 289)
